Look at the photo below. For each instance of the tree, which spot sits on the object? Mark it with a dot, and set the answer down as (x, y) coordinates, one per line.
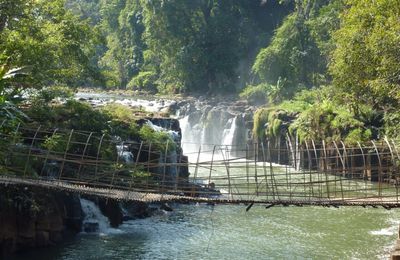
(366, 62)
(123, 27)
(298, 53)
(199, 44)
(55, 43)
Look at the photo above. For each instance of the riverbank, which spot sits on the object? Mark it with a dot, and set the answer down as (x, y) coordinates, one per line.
(35, 217)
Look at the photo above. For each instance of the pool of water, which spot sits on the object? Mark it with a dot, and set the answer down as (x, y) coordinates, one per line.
(229, 232)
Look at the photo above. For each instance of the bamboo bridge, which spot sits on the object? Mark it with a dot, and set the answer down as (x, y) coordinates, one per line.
(320, 174)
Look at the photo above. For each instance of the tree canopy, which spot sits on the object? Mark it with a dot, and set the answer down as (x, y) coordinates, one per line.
(270, 51)
(45, 36)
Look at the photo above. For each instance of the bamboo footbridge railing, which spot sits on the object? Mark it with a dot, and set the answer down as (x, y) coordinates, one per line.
(321, 174)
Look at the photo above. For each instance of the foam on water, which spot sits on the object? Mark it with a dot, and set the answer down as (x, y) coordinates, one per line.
(94, 215)
(384, 231)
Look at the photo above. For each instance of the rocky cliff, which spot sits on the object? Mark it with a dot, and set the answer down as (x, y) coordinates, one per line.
(32, 217)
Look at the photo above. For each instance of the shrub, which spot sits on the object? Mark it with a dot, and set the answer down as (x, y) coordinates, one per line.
(158, 140)
(145, 80)
(49, 93)
(55, 143)
(256, 94)
(119, 111)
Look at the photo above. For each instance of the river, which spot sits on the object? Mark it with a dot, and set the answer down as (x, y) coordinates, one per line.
(229, 232)
(199, 231)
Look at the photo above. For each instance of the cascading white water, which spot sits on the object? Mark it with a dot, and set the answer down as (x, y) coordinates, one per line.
(126, 156)
(171, 157)
(229, 132)
(228, 136)
(219, 130)
(192, 136)
(94, 220)
(174, 135)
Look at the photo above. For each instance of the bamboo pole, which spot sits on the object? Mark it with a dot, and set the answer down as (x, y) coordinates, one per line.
(65, 154)
(255, 165)
(326, 168)
(379, 169)
(83, 153)
(340, 177)
(30, 150)
(98, 155)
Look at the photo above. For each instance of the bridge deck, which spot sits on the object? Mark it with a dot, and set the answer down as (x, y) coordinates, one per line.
(125, 195)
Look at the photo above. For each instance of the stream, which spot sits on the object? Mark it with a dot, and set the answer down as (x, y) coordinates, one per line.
(200, 231)
(229, 232)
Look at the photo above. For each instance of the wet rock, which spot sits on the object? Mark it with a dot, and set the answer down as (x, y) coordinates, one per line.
(184, 169)
(112, 210)
(42, 238)
(74, 214)
(137, 210)
(91, 227)
(31, 218)
(55, 236)
(166, 207)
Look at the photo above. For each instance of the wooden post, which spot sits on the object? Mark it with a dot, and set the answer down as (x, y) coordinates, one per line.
(83, 155)
(311, 192)
(30, 150)
(114, 172)
(340, 177)
(318, 168)
(149, 158)
(163, 185)
(255, 166)
(14, 141)
(47, 156)
(345, 162)
(228, 174)
(65, 154)
(396, 171)
(211, 166)
(135, 165)
(195, 172)
(279, 149)
(247, 171)
(273, 183)
(365, 177)
(393, 161)
(97, 157)
(178, 170)
(379, 169)
(395, 148)
(264, 168)
(326, 168)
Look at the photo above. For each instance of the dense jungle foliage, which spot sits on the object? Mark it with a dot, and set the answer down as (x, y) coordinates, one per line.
(321, 68)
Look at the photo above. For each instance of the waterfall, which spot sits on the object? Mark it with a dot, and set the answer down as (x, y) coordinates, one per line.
(192, 136)
(229, 132)
(228, 136)
(94, 220)
(125, 155)
(174, 135)
(171, 157)
(208, 126)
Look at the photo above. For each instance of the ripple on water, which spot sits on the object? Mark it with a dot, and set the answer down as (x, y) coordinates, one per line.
(229, 232)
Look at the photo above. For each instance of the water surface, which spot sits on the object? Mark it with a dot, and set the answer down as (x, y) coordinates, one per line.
(229, 232)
